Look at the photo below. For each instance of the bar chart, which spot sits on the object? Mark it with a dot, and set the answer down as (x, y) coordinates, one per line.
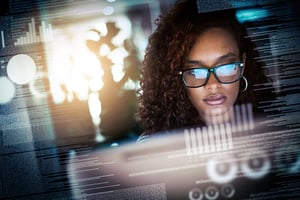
(44, 33)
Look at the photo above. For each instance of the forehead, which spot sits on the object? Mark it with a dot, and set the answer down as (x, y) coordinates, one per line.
(212, 44)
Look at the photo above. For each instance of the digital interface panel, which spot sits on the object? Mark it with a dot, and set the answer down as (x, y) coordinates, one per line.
(69, 72)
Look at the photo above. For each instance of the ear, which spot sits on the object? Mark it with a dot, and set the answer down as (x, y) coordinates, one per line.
(244, 62)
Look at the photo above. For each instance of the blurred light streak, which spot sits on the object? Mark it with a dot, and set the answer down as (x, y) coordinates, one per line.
(250, 15)
(58, 95)
(95, 108)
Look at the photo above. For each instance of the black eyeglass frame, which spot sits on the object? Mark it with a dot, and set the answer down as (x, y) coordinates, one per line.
(211, 70)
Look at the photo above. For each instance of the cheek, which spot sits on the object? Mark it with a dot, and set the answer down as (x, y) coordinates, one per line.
(231, 91)
(195, 96)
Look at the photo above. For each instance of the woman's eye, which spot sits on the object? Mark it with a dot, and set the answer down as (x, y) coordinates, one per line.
(227, 70)
(200, 73)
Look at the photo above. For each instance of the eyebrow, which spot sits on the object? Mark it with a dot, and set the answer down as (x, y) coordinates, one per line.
(219, 60)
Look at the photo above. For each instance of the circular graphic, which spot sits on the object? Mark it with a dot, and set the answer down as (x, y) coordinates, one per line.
(195, 194)
(211, 193)
(21, 69)
(8, 90)
(227, 191)
(221, 172)
(288, 159)
(256, 167)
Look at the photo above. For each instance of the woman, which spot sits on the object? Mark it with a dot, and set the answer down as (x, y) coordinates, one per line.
(196, 67)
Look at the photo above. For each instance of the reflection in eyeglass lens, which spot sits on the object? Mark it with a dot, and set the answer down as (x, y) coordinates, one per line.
(227, 73)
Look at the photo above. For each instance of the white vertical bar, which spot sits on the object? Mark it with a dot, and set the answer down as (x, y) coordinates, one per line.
(244, 117)
(205, 140)
(211, 139)
(223, 137)
(194, 142)
(217, 138)
(22, 41)
(238, 118)
(17, 42)
(250, 116)
(229, 135)
(43, 32)
(199, 140)
(29, 34)
(233, 120)
(51, 35)
(46, 35)
(187, 142)
(33, 30)
(27, 38)
(2, 39)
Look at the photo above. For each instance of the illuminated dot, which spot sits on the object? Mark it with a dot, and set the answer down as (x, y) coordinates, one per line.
(195, 194)
(7, 89)
(108, 10)
(114, 144)
(227, 191)
(21, 69)
(211, 193)
(72, 153)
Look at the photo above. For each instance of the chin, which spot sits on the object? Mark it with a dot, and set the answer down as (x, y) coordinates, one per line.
(217, 115)
(219, 110)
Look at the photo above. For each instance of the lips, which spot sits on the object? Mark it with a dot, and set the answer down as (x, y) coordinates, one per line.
(215, 99)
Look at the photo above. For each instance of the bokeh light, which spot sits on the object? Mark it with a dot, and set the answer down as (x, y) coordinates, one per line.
(7, 89)
(21, 69)
(108, 10)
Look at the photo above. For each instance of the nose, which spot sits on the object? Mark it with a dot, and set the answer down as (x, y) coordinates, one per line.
(212, 83)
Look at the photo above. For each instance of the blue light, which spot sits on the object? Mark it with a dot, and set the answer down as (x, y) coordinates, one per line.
(114, 144)
(251, 15)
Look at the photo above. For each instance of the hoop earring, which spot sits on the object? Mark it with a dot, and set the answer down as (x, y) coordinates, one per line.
(246, 84)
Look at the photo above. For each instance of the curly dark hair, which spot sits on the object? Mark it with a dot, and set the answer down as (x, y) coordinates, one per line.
(163, 99)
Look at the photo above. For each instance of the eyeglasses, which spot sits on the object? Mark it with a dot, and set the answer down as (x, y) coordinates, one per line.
(197, 77)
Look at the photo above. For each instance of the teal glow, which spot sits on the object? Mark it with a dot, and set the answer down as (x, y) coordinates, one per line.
(251, 15)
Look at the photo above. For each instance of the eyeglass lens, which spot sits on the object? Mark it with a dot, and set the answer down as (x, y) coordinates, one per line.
(197, 77)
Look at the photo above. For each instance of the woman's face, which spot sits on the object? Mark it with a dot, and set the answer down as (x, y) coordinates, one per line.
(214, 100)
